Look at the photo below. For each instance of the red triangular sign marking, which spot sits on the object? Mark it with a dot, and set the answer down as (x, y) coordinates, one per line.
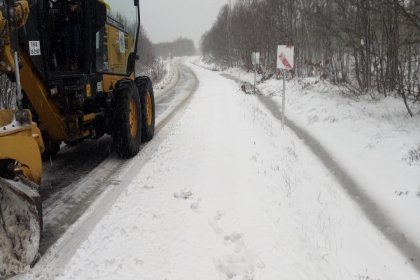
(285, 62)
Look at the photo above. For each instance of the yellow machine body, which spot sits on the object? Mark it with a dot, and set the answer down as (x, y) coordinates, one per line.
(98, 94)
(23, 144)
(19, 142)
(118, 47)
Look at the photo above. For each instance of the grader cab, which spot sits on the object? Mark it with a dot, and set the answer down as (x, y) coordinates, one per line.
(74, 70)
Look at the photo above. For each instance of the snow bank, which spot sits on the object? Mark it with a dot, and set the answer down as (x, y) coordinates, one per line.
(169, 80)
(374, 140)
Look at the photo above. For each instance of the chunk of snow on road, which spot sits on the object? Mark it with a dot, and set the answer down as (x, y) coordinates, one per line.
(413, 156)
(184, 194)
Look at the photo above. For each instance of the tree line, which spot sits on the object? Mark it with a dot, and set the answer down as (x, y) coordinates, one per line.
(366, 45)
(179, 47)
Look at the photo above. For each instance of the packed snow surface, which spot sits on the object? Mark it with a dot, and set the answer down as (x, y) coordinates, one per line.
(229, 195)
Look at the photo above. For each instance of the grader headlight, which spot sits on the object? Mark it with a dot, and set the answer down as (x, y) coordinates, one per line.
(24, 117)
(54, 91)
(11, 121)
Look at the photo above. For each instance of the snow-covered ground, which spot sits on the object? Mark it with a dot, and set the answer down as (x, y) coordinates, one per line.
(170, 79)
(375, 141)
(229, 195)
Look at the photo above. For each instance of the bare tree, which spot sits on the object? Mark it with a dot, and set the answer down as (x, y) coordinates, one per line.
(368, 45)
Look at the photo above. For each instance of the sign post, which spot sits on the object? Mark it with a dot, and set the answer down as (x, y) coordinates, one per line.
(255, 63)
(285, 61)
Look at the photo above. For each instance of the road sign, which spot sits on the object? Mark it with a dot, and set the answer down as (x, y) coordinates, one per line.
(285, 57)
(255, 63)
(255, 58)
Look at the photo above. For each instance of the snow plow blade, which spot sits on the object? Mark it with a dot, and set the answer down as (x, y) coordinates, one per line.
(20, 225)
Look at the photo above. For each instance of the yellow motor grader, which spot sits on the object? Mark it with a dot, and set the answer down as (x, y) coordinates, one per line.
(55, 102)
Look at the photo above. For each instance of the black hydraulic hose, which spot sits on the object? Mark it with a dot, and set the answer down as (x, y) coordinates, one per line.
(137, 37)
(10, 17)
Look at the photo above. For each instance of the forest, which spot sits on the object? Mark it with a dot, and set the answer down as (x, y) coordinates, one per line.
(368, 46)
(179, 47)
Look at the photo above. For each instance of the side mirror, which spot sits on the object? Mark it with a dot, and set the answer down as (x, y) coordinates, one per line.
(131, 63)
(100, 16)
(136, 3)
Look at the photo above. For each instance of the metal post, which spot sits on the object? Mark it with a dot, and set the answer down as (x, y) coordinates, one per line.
(255, 78)
(283, 110)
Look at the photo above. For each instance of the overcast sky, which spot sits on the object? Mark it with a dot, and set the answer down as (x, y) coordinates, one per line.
(166, 20)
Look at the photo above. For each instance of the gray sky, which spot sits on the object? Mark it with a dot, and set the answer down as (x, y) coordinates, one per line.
(166, 20)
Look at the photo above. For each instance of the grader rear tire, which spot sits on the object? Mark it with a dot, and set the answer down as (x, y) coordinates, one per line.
(147, 98)
(127, 119)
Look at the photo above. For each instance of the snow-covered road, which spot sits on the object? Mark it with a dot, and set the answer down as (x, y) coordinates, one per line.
(78, 175)
(226, 194)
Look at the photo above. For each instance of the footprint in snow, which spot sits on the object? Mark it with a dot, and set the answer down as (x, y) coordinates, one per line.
(214, 224)
(232, 266)
(195, 206)
(370, 146)
(313, 119)
(138, 262)
(148, 187)
(243, 257)
(330, 119)
(235, 239)
(219, 215)
(184, 194)
(115, 182)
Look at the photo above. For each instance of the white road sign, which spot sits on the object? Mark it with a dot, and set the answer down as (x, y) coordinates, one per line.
(285, 57)
(255, 58)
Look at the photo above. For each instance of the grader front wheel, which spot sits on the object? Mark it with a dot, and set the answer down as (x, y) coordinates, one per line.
(127, 119)
(147, 98)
